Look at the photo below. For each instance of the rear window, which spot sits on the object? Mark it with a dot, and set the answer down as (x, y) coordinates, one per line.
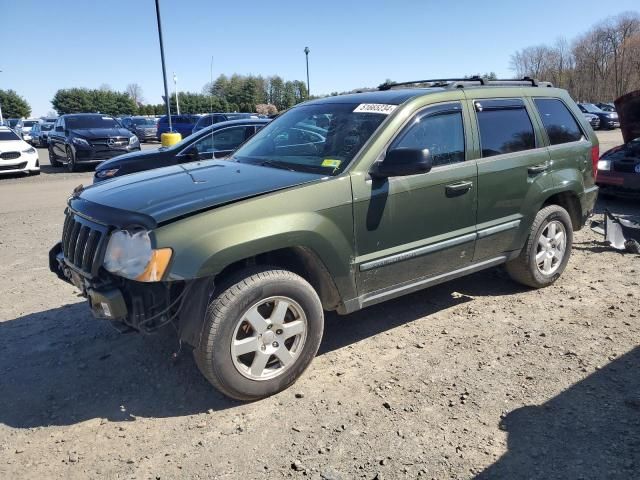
(560, 125)
(8, 135)
(505, 127)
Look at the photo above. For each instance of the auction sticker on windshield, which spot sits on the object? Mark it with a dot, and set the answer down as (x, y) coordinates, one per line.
(382, 108)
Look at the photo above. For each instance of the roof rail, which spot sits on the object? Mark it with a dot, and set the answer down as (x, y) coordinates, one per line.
(469, 81)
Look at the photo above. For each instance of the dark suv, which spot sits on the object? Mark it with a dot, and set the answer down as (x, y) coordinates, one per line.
(608, 120)
(85, 138)
(338, 204)
(144, 128)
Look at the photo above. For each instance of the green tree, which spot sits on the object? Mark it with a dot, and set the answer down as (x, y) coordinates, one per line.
(82, 100)
(13, 105)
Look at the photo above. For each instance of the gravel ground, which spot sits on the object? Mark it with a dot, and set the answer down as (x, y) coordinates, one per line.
(478, 377)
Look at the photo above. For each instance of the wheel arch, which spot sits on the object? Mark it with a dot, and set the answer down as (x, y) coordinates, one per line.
(568, 200)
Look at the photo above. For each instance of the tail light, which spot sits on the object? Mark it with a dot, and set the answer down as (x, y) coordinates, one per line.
(595, 156)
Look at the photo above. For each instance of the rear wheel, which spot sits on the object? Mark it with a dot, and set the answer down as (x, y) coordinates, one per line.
(547, 250)
(53, 160)
(261, 333)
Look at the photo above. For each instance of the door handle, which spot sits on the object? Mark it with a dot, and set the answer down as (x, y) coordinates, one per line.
(459, 188)
(536, 169)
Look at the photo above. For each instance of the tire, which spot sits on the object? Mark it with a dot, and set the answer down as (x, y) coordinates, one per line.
(53, 160)
(71, 160)
(225, 321)
(525, 268)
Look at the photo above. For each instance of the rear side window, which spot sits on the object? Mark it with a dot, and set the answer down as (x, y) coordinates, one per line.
(560, 125)
(505, 127)
(441, 132)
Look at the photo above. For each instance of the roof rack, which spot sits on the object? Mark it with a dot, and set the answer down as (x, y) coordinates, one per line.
(469, 81)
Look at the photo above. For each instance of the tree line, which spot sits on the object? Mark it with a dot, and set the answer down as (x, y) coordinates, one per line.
(237, 93)
(599, 65)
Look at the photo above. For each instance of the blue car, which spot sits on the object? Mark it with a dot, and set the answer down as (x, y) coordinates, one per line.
(183, 124)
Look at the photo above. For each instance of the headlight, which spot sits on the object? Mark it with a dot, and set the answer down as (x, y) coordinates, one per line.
(129, 255)
(604, 164)
(29, 150)
(107, 173)
(80, 141)
(133, 140)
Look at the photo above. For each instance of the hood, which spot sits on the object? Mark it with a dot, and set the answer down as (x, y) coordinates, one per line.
(170, 192)
(141, 155)
(101, 132)
(13, 146)
(628, 107)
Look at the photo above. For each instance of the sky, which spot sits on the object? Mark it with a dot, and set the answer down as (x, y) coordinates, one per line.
(78, 43)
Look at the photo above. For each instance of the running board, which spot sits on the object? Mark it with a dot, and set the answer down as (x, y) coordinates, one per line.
(403, 289)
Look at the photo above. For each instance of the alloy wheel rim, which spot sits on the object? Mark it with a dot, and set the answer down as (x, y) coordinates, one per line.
(551, 248)
(269, 338)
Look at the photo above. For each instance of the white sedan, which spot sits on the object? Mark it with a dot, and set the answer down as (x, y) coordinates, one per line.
(16, 155)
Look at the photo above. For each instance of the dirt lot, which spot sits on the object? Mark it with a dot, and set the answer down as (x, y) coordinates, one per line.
(474, 378)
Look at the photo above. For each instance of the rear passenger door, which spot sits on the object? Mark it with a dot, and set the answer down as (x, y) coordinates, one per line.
(512, 171)
(569, 145)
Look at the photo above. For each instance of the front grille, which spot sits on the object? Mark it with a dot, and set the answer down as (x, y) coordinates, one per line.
(20, 166)
(117, 142)
(625, 166)
(83, 243)
(9, 155)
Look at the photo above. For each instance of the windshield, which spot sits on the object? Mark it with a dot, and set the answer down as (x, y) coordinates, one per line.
(8, 135)
(591, 108)
(91, 121)
(29, 123)
(46, 126)
(321, 138)
(13, 122)
(143, 121)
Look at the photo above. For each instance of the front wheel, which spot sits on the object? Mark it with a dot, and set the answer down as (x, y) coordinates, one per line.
(547, 250)
(71, 160)
(261, 333)
(53, 160)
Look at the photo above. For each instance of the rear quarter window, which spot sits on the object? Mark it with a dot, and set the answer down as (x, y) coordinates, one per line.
(560, 125)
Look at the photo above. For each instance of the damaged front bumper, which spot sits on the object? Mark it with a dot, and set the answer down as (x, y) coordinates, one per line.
(143, 306)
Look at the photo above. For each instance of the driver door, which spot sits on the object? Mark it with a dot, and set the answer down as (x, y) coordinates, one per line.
(414, 227)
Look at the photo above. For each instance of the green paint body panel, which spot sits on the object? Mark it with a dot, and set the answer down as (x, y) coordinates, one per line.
(382, 238)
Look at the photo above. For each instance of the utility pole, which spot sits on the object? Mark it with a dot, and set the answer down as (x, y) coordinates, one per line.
(164, 70)
(306, 52)
(1, 120)
(175, 86)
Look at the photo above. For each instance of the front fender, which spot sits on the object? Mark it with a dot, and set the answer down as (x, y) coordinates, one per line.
(317, 216)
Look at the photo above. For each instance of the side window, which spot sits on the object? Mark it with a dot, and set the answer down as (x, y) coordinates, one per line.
(560, 125)
(505, 127)
(441, 132)
(226, 139)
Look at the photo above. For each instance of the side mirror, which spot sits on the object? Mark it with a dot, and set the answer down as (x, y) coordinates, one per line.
(192, 154)
(401, 162)
(59, 129)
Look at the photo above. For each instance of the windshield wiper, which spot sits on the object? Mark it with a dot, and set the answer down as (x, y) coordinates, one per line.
(269, 163)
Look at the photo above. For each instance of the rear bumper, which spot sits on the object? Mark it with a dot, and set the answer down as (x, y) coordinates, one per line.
(588, 203)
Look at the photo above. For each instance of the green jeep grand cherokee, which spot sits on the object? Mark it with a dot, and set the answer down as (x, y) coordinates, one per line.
(338, 204)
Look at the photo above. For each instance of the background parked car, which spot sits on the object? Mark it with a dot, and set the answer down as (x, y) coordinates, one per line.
(594, 120)
(16, 155)
(144, 128)
(606, 107)
(24, 128)
(215, 141)
(183, 124)
(212, 118)
(607, 119)
(12, 123)
(40, 134)
(619, 168)
(88, 138)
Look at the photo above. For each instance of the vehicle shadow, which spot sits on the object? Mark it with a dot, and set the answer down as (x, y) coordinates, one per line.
(62, 367)
(589, 431)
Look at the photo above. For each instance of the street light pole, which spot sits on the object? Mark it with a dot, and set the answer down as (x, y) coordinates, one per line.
(306, 52)
(175, 86)
(164, 70)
